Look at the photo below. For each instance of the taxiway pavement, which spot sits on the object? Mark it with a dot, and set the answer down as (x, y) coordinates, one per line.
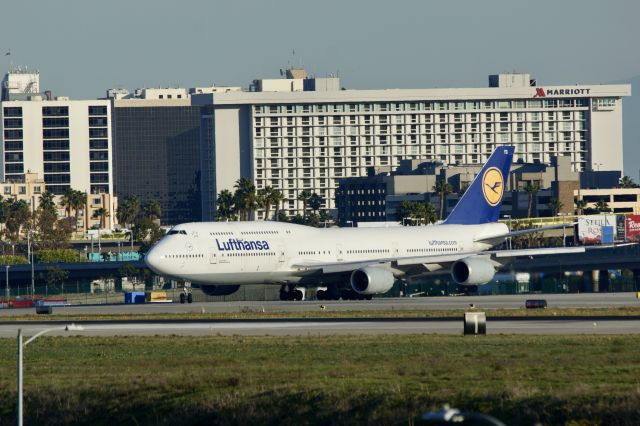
(585, 300)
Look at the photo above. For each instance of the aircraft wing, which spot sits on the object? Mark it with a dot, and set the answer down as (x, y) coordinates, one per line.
(487, 238)
(443, 260)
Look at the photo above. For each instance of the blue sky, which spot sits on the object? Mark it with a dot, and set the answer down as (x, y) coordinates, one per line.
(83, 47)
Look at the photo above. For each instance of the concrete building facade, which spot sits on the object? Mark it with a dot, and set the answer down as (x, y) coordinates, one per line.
(68, 142)
(296, 135)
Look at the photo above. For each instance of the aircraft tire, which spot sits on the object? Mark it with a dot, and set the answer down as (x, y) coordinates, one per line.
(321, 295)
(297, 295)
(182, 298)
(189, 298)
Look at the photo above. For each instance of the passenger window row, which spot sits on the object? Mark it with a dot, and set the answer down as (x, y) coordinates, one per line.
(367, 251)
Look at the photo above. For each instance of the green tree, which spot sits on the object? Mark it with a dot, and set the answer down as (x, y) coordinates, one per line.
(18, 216)
(580, 206)
(245, 198)
(602, 206)
(531, 189)
(101, 214)
(56, 276)
(627, 182)
(276, 199)
(128, 210)
(442, 188)
(315, 202)
(47, 201)
(304, 196)
(152, 210)
(224, 205)
(555, 205)
(59, 255)
(417, 211)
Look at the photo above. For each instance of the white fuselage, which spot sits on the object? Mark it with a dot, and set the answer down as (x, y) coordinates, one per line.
(230, 253)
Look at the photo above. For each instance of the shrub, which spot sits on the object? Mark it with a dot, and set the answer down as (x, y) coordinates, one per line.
(59, 255)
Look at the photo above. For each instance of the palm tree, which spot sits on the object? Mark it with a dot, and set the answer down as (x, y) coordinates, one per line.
(304, 196)
(47, 201)
(532, 189)
(555, 205)
(128, 210)
(315, 202)
(224, 205)
(602, 206)
(442, 188)
(245, 197)
(580, 205)
(276, 197)
(627, 182)
(66, 201)
(152, 210)
(101, 213)
(263, 200)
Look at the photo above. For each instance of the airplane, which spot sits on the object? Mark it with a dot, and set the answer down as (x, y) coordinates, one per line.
(352, 263)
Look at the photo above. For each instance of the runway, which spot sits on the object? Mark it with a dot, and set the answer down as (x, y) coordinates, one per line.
(504, 325)
(585, 300)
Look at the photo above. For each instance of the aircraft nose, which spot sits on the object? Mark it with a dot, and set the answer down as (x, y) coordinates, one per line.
(153, 260)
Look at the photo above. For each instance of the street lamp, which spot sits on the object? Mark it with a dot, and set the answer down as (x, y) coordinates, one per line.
(564, 232)
(21, 346)
(7, 282)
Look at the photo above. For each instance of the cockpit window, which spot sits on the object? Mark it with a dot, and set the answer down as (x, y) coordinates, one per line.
(178, 231)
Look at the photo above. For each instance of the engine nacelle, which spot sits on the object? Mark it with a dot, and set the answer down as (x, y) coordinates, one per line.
(218, 290)
(472, 271)
(372, 280)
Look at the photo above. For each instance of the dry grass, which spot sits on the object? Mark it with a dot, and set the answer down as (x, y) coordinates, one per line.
(317, 313)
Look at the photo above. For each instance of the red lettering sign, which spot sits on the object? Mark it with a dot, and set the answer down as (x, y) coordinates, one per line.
(633, 227)
(539, 93)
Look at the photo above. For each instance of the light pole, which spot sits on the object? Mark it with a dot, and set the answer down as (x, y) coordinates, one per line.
(7, 282)
(564, 232)
(30, 258)
(21, 346)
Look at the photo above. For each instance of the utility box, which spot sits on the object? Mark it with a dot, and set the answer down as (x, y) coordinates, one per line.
(475, 323)
(44, 309)
(133, 297)
(156, 296)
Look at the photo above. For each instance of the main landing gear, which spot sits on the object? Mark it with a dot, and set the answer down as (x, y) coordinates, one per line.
(290, 292)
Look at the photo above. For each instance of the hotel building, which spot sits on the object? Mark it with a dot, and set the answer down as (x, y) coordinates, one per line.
(308, 133)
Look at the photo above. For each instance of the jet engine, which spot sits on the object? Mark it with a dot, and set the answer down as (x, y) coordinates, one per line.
(372, 280)
(218, 290)
(472, 271)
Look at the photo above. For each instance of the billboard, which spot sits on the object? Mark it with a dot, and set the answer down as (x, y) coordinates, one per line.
(633, 227)
(590, 227)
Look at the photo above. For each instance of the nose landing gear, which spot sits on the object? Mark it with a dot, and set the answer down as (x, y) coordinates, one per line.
(186, 295)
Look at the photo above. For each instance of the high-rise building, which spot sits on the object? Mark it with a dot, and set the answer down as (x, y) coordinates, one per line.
(157, 150)
(303, 133)
(68, 142)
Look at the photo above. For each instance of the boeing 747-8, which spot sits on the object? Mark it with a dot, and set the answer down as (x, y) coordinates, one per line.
(349, 262)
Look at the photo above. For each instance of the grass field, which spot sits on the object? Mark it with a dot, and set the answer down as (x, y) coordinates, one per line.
(384, 379)
(255, 312)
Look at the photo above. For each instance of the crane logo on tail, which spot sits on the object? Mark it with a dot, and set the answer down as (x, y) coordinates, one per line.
(492, 186)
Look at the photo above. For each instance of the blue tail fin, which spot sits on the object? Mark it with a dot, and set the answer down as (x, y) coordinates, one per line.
(482, 200)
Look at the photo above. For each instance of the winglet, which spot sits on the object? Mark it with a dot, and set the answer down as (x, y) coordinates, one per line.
(482, 201)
